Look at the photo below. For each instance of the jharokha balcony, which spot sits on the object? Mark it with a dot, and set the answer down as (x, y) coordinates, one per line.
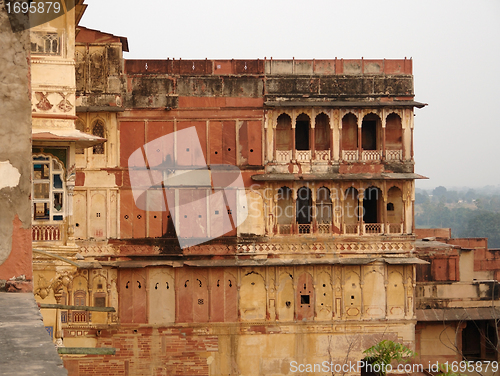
(49, 232)
(323, 211)
(304, 136)
(285, 156)
(346, 229)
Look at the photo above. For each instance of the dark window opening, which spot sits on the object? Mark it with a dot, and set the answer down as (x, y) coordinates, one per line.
(369, 135)
(390, 206)
(98, 131)
(370, 205)
(304, 208)
(479, 340)
(302, 134)
(305, 299)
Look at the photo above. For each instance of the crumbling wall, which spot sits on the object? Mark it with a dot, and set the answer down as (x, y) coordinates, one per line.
(15, 156)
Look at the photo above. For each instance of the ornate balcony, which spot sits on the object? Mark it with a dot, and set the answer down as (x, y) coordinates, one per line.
(322, 155)
(371, 155)
(304, 228)
(284, 229)
(303, 155)
(373, 228)
(46, 232)
(394, 228)
(394, 155)
(351, 229)
(350, 155)
(283, 155)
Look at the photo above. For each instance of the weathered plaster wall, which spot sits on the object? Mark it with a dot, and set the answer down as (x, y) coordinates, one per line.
(15, 155)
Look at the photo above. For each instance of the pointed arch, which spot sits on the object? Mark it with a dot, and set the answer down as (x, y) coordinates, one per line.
(99, 130)
(302, 132)
(349, 132)
(371, 132)
(322, 132)
(284, 132)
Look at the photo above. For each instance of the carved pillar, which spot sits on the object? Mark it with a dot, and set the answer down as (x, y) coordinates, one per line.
(313, 209)
(312, 141)
(360, 137)
(274, 224)
(70, 187)
(293, 137)
(360, 211)
(383, 134)
(294, 229)
(335, 128)
(274, 140)
(385, 194)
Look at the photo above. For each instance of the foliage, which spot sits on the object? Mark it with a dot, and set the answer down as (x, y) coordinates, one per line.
(445, 370)
(384, 352)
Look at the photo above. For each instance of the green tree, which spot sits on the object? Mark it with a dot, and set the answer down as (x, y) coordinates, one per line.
(385, 352)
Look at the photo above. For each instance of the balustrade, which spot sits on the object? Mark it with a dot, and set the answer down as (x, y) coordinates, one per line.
(46, 232)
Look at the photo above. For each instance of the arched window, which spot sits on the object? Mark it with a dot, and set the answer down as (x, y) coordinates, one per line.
(79, 299)
(304, 210)
(302, 126)
(48, 188)
(394, 137)
(285, 213)
(284, 133)
(323, 206)
(99, 131)
(395, 210)
(351, 210)
(349, 138)
(322, 132)
(372, 212)
(371, 133)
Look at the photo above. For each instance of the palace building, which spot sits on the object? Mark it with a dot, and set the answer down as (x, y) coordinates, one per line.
(149, 262)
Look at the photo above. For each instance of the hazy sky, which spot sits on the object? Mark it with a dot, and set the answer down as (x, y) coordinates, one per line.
(455, 46)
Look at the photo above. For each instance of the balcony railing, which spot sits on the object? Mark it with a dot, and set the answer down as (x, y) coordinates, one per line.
(303, 155)
(284, 229)
(395, 228)
(350, 155)
(373, 228)
(322, 155)
(79, 316)
(371, 155)
(283, 155)
(351, 229)
(304, 229)
(324, 228)
(46, 232)
(354, 229)
(394, 155)
(347, 155)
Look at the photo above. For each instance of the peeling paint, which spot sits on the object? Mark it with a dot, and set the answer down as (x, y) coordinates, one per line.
(10, 175)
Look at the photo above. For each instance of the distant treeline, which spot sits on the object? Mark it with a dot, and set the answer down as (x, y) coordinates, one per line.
(468, 212)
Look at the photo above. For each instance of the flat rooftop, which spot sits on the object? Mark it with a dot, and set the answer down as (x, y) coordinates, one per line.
(25, 345)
